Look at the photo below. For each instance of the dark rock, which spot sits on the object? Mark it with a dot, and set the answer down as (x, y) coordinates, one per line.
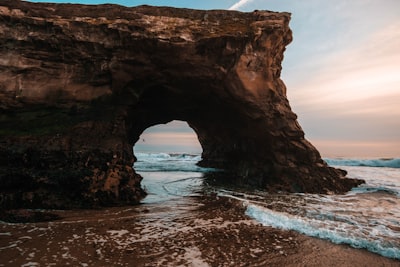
(79, 84)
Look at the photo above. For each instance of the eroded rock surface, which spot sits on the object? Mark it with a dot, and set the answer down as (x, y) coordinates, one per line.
(79, 84)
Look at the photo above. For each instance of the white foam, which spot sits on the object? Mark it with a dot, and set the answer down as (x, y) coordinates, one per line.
(368, 217)
(151, 162)
(25, 237)
(388, 163)
(383, 180)
(7, 234)
(30, 264)
(193, 255)
(340, 233)
(13, 245)
(118, 233)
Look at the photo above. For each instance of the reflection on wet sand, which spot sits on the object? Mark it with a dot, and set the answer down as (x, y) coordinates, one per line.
(199, 231)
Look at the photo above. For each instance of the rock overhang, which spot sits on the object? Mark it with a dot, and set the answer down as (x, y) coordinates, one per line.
(79, 84)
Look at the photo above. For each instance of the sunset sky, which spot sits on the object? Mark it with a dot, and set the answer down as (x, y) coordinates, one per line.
(342, 71)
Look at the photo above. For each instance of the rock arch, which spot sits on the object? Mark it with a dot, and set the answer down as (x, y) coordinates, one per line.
(79, 84)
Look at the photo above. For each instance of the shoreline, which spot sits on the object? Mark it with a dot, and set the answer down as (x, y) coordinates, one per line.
(207, 231)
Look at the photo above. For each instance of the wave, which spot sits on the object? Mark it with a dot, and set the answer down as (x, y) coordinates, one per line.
(155, 157)
(387, 163)
(364, 189)
(341, 234)
(164, 162)
(166, 158)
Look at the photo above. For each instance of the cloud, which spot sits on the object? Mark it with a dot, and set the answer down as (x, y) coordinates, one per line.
(343, 81)
(356, 149)
(365, 70)
(239, 4)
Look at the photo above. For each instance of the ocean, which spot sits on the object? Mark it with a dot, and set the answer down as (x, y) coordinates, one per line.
(367, 217)
(188, 220)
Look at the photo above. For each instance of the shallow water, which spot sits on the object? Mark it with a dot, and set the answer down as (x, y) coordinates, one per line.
(368, 217)
(185, 222)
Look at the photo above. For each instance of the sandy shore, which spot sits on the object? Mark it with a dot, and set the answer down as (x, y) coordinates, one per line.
(210, 231)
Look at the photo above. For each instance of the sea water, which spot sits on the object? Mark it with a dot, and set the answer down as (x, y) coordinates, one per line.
(367, 217)
(170, 176)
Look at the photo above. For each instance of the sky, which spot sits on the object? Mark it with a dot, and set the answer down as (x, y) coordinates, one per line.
(342, 71)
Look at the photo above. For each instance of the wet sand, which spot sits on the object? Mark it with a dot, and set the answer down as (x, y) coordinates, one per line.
(203, 231)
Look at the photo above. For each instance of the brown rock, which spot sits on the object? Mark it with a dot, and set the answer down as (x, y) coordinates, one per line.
(79, 84)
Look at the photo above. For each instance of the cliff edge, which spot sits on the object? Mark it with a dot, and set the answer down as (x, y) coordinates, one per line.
(79, 84)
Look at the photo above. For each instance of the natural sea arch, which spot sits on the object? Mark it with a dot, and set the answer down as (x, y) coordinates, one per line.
(254, 136)
(81, 84)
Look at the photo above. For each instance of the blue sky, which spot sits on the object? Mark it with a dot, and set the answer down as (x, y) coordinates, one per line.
(196, 4)
(342, 69)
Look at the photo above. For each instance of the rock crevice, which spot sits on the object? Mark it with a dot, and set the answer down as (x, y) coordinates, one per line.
(79, 84)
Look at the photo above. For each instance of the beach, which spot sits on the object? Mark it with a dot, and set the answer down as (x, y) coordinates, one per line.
(188, 220)
(87, 177)
(204, 231)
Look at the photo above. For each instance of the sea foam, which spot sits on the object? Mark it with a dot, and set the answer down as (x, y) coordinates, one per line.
(367, 217)
(163, 162)
(388, 163)
(338, 234)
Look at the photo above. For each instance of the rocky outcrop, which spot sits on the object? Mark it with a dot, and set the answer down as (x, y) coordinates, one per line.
(79, 84)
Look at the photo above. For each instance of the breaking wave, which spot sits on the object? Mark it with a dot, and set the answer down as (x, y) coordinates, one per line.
(164, 162)
(368, 217)
(342, 232)
(388, 163)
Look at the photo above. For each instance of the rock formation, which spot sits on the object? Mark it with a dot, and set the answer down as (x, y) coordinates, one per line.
(79, 84)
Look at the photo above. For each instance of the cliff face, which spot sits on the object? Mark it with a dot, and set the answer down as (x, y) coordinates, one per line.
(79, 84)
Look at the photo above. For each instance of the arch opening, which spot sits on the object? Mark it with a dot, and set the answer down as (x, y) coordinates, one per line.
(166, 157)
(172, 138)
